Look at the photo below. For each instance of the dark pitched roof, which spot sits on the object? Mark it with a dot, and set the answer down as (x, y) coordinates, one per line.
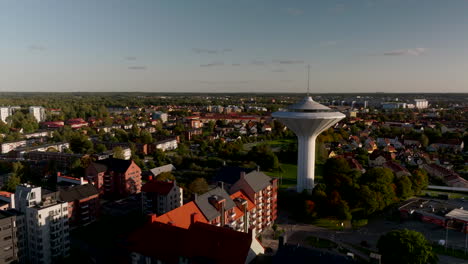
(229, 174)
(257, 180)
(116, 165)
(208, 210)
(160, 187)
(77, 192)
(201, 243)
(99, 167)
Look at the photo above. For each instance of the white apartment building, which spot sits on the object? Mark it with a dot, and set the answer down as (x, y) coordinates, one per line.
(160, 197)
(421, 103)
(167, 144)
(38, 112)
(46, 224)
(4, 113)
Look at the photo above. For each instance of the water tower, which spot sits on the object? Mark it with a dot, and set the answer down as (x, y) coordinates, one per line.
(307, 119)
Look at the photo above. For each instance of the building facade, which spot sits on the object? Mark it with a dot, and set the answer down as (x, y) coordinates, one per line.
(252, 205)
(11, 237)
(83, 204)
(38, 112)
(160, 197)
(115, 177)
(46, 224)
(263, 192)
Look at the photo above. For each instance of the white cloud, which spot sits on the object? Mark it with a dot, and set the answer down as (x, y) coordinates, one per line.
(210, 51)
(216, 63)
(406, 52)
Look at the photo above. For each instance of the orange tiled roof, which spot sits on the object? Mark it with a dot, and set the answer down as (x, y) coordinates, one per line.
(181, 216)
(5, 194)
(241, 194)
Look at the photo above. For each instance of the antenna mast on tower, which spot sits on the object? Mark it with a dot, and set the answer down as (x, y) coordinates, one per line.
(308, 79)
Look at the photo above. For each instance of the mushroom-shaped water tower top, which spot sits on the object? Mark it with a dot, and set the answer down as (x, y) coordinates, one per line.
(307, 119)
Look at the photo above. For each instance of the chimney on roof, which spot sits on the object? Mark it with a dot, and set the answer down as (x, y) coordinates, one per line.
(221, 185)
(242, 175)
(195, 196)
(59, 174)
(258, 167)
(194, 218)
(150, 177)
(152, 218)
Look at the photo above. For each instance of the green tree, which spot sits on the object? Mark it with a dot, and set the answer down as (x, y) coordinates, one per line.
(165, 176)
(424, 140)
(406, 247)
(404, 187)
(13, 181)
(81, 144)
(419, 180)
(199, 186)
(100, 148)
(118, 153)
(17, 172)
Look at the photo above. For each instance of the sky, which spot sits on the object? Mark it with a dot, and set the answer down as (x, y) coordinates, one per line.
(234, 45)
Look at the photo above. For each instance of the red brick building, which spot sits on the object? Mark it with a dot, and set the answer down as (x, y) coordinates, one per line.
(115, 177)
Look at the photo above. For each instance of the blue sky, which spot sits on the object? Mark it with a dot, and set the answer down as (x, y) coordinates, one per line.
(234, 45)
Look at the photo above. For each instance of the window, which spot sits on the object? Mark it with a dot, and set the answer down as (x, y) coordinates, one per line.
(7, 238)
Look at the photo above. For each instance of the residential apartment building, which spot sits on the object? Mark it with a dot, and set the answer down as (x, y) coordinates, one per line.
(83, 203)
(9, 146)
(38, 112)
(11, 237)
(46, 224)
(263, 192)
(115, 177)
(160, 197)
(166, 144)
(251, 206)
(4, 113)
(62, 160)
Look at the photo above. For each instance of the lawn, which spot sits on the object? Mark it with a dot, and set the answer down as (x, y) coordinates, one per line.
(275, 145)
(329, 223)
(320, 242)
(451, 195)
(288, 177)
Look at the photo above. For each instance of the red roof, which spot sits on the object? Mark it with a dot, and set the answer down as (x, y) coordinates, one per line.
(200, 241)
(181, 216)
(5, 194)
(241, 194)
(160, 187)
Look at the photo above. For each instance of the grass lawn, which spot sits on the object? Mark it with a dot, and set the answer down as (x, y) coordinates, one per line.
(320, 242)
(449, 252)
(329, 223)
(276, 145)
(452, 195)
(288, 178)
